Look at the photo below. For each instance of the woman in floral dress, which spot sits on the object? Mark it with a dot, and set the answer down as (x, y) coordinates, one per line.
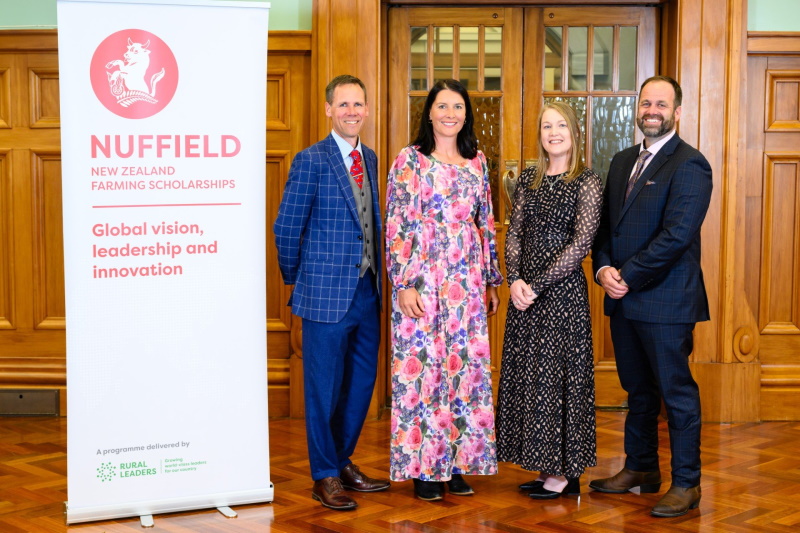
(442, 263)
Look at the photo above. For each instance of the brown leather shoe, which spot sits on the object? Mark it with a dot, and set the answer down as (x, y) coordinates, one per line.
(354, 479)
(626, 479)
(677, 502)
(330, 493)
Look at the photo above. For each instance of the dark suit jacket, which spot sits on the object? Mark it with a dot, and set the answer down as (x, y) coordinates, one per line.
(318, 233)
(653, 238)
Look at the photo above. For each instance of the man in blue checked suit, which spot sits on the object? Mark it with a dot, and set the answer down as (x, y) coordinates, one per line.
(327, 231)
(647, 258)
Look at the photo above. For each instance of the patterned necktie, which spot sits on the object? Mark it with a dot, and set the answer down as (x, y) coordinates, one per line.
(356, 169)
(637, 172)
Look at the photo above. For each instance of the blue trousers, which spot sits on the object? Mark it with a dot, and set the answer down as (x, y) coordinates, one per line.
(340, 363)
(653, 363)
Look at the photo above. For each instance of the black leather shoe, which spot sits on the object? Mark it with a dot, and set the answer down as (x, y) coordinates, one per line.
(430, 491)
(573, 488)
(532, 485)
(459, 487)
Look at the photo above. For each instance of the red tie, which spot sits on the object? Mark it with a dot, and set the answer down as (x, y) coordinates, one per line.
(355, 169)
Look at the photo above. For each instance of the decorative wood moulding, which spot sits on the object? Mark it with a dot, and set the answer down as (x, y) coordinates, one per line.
(6, 270)
(33, 370)
(279, 110)
(745, 344)
(289, 41)
(28, 40)
(48, 290)
(783, 101)
(773, 42)
(780, 375)
(45, 106)
(780, 256)
(47, 40)
(5, 97)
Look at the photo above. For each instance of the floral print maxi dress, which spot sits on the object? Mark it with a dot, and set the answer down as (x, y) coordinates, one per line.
(440, 239)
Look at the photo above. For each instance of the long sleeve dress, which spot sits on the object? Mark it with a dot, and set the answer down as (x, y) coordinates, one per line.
(545, 412)
(440, 239)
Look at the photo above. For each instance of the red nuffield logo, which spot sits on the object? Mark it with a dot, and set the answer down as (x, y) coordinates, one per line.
(134, 73)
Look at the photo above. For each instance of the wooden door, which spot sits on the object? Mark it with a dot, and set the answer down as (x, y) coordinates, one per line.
(512, 60)
(480, 47)
(772, 215)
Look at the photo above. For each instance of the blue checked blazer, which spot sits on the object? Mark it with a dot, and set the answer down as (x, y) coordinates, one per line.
(653, 238)
(318, 233)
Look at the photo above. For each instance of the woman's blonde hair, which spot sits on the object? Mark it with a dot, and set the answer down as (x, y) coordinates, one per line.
(576, 165)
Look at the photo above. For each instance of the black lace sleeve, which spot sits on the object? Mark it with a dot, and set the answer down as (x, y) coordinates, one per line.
(590, 199)
(516, 226)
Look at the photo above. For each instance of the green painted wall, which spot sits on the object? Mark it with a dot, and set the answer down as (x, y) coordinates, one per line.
(773, 15)
(32, 14)
(762, 15)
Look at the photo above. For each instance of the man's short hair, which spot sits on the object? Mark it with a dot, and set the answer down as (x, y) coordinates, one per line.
(675, 86)
(344, 79)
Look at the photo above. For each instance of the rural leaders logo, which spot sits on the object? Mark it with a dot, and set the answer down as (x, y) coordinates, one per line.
(134, 73)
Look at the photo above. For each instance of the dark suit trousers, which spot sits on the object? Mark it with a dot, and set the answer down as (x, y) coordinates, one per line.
(340, 364)
(653, 362)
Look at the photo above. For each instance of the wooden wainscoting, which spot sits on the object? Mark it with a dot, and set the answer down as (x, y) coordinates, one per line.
(32, 321)
(773, 216)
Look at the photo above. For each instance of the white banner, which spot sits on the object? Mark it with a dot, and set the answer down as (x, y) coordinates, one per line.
(163, 115)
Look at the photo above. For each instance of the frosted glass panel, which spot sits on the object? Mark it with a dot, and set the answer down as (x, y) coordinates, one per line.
(613, 123)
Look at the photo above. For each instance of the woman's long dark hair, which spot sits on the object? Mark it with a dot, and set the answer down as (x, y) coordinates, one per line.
(466, 141)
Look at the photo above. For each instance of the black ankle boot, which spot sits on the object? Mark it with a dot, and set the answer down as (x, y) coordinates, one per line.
(430, 491)
(459, 487)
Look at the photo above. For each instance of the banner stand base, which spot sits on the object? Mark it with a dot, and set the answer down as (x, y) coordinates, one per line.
(147, 520)
(227, 512)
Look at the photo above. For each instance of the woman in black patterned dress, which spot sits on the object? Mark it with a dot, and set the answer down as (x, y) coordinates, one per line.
(545, 412)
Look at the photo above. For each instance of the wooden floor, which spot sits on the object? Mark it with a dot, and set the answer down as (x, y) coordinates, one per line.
(751, 482)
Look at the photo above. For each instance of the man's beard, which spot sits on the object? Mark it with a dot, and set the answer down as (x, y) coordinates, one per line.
(667, 123)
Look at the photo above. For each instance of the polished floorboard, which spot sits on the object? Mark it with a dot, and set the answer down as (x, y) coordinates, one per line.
(751, 482)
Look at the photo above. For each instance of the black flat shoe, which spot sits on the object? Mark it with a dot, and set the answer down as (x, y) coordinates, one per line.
(430, 491)
(532, 485)
(573, 488)
(459, 487)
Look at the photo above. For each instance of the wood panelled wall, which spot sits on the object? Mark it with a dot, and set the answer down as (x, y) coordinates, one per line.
(703, 44)
(772, 216)
(32, 322)
(741, 108)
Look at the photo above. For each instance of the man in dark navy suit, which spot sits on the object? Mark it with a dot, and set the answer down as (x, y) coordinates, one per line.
(647, 258)
(326, 233)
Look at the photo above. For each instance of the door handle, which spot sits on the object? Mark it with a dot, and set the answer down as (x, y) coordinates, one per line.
(510, 177)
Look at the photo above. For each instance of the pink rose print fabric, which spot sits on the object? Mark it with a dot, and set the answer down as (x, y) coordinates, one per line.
(440, 239)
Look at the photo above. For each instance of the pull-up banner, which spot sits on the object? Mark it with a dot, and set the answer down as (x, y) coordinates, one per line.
(163, 111)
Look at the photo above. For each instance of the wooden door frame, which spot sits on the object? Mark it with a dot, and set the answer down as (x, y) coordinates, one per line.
(703, 45)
